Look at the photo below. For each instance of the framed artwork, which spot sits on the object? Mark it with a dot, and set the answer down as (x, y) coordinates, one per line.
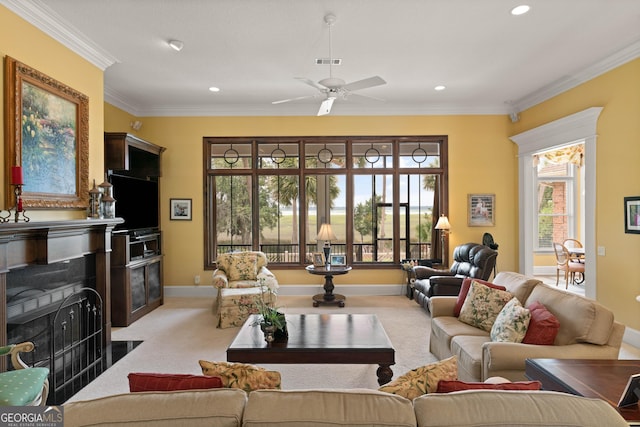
(632, 215)
(481, 210)
(318, 259)
(180, 209)
(47, 134)
(338, 260)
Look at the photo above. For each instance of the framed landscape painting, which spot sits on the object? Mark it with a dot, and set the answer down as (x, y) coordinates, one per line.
(47, 133)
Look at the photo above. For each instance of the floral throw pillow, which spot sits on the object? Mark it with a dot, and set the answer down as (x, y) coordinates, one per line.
(241, 375)
(482, 305)
(512, 323)
(424, 379)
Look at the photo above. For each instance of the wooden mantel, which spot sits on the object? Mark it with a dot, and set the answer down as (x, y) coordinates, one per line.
(48, 242)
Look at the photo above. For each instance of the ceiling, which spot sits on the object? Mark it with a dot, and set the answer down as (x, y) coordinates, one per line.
(490, 61)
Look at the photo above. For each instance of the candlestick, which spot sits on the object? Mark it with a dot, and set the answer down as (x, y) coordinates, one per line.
(16, 175)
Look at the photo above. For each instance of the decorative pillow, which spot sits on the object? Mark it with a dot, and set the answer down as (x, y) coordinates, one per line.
(139, 381)
(464, 290)
(241, 375)
(543, 327)
(445, 386)
(482, 305)
(511, 323)
(423, 380)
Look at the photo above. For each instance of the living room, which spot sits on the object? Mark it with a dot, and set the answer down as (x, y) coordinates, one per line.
(480, 146)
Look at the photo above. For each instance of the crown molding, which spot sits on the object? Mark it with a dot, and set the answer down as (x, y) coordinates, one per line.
(37, 13)
(619, 58)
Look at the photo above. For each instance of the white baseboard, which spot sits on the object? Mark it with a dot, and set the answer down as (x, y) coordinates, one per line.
(293, 290)
(631, 337)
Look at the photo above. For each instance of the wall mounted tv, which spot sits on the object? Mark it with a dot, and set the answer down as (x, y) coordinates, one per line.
(136, 202)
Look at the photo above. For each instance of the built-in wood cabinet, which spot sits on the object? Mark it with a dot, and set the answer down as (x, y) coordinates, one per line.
(136, 268)
(136, 277)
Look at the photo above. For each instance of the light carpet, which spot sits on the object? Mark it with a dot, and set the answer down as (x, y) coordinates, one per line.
(182, 331)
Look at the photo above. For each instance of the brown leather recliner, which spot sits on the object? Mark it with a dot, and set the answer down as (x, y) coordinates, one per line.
(469, 260)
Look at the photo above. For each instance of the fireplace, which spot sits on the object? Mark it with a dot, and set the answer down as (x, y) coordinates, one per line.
(55, 291)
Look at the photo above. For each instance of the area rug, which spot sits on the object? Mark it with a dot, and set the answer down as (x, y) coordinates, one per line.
(182, 331)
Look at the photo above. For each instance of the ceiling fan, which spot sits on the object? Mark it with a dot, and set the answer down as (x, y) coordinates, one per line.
(333, 88)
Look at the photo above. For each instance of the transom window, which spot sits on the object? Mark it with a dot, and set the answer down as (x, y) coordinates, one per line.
(380, 195)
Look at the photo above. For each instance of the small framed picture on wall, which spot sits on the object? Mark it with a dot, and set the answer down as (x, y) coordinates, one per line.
(481, 210)
(632, 215)
(180, 209)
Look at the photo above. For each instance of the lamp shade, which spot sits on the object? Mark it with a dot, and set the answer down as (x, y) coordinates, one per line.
(443, 223)
(326, 233)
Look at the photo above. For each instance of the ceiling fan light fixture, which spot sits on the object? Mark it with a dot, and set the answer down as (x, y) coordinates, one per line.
(176, 45)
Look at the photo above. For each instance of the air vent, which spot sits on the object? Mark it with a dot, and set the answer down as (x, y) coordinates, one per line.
(326, 61)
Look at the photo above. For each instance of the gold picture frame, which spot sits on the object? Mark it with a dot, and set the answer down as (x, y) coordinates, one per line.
(481, 210)
(318, 259)
(47, 133)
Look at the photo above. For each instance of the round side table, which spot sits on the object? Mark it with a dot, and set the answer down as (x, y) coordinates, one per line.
(328, 272)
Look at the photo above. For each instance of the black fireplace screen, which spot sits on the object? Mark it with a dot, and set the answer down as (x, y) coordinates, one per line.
(59, 310)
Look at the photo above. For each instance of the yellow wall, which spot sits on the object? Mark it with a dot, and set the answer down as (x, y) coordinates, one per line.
(22, 41)
(617, 176)
(481, 160)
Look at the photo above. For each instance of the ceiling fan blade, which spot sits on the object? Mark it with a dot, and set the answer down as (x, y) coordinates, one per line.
(364, 83)
(325, 107)
(359, 95)
(282, 101)
(311, 83)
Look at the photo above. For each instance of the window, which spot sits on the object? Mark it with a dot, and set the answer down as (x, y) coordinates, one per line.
(556, 173)
(380, 195)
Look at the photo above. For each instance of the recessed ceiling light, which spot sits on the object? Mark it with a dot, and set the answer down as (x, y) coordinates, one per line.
(520, 10)
(176, 45)
(214, 89)
(440, 87)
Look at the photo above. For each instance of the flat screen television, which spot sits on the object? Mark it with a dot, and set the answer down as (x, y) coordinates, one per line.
(136, 202)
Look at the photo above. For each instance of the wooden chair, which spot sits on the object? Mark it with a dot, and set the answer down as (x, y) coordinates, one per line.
(22, 386)
(573, 243)
(566, 264)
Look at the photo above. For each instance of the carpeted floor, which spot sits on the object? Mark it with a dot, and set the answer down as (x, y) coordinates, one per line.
(182, 331)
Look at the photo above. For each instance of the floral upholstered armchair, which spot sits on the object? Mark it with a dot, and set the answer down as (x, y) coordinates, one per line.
(242, 279)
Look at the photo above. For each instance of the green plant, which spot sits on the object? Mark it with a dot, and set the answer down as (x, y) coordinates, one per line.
(268, 312)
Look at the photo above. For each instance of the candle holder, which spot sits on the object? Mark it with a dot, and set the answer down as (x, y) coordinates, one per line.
(19, 209)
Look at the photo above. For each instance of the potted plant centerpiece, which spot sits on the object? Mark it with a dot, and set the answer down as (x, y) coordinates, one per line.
(271, 321)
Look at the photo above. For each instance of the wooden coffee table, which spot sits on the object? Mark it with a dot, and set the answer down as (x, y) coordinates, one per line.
(319, 338)
(602, 379)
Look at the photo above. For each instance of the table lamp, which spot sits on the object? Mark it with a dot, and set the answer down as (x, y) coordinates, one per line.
(326, 234)
(444, 226)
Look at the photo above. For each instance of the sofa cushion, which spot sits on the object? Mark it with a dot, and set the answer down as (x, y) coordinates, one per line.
(328, 407)
(142, 381)
(464, 290)
(424, 379)
(241, 375)
(220, 407)
(445, 386)
(482, 305)
(518, 284)
(512, 323)
(468, 350)
(582, 320)
(543, 326)
(513, 408)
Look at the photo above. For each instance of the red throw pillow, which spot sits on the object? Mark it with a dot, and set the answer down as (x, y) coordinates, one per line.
(445, 386)
(170, 382)
(464, 290)
(543, 326)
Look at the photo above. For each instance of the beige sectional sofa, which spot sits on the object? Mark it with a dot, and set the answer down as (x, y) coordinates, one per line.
(330, 407)
(587, 331)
